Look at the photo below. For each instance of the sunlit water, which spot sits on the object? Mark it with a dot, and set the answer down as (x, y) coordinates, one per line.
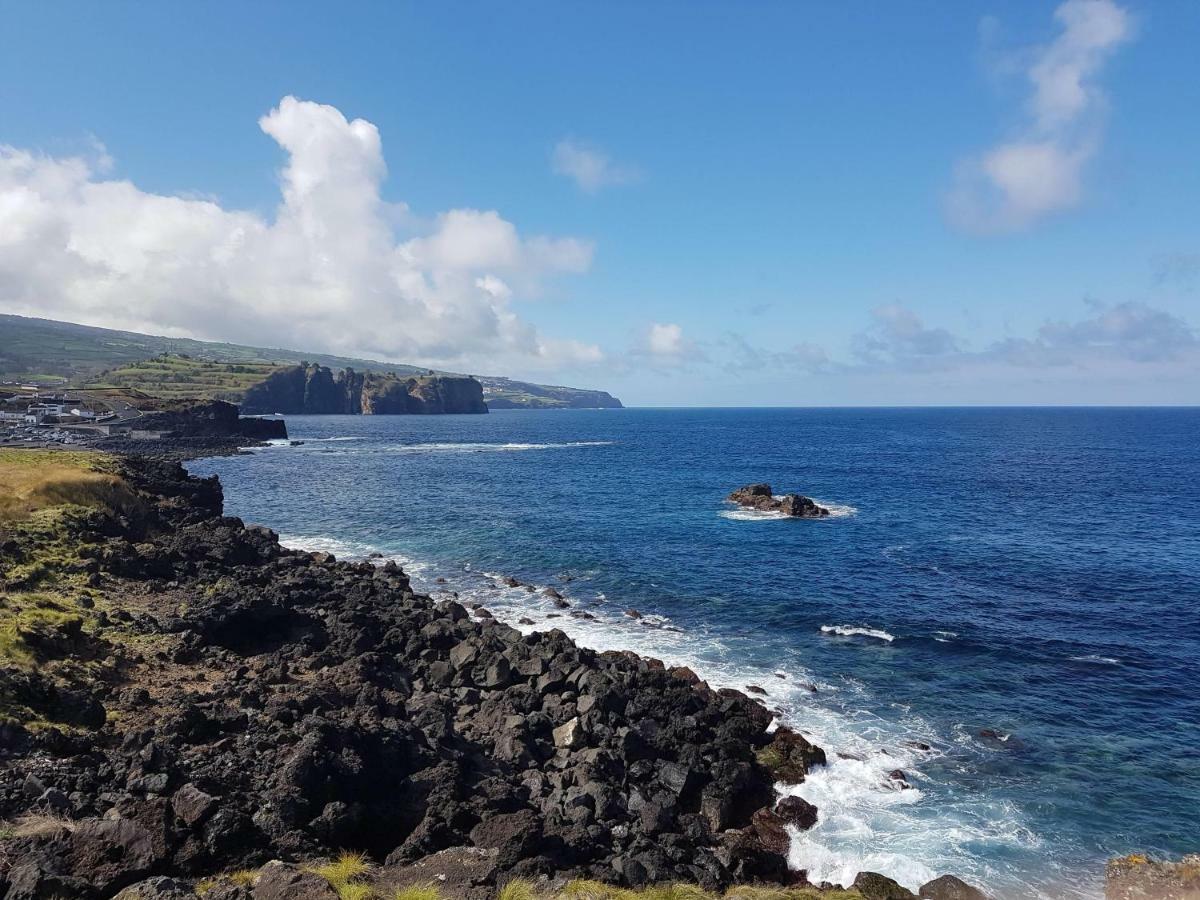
(1030, 574)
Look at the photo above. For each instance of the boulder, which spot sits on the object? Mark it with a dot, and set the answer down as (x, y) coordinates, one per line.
(789, 756)
(797, 811)
(947, 887)
(160, 888)
(771, 831)
(283, 881)
(874, 886)
(112, 853)
(192, 805)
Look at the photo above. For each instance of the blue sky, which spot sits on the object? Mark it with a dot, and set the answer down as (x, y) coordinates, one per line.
(780, 204)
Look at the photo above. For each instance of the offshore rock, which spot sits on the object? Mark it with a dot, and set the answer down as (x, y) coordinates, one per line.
(760, 497)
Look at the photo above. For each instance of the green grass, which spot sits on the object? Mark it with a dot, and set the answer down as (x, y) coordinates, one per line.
(345, 875)
(418, 892)
(517, 889)
(175, 377)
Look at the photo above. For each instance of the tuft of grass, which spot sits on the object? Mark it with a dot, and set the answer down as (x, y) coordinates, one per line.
(243, 877)
(418, 892)
(517, 889)
(355, 890)
(203, 887)
(38, 825)
(345, 875)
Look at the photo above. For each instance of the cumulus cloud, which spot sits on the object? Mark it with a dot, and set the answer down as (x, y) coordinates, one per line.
(1039, 170)
(327, 272)
(590, 168)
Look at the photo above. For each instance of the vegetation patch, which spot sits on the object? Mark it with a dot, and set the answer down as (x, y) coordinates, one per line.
(32, 480)
(347, 875)
(183, 376)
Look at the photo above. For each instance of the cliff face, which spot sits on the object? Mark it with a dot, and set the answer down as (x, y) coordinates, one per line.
(212, 419)
(317, 390)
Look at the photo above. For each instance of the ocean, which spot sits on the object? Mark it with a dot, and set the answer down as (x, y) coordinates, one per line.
(1017, 590)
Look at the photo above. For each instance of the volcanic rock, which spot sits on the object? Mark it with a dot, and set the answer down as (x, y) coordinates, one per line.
(760, 497)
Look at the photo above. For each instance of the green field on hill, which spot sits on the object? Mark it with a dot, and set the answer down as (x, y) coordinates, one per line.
(177, 377)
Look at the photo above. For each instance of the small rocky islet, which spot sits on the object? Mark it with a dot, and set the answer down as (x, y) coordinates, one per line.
(760, 497)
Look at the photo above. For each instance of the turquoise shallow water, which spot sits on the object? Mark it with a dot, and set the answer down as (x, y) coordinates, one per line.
(1029, 573)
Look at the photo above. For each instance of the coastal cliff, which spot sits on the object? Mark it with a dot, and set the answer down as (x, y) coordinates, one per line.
(310, 389)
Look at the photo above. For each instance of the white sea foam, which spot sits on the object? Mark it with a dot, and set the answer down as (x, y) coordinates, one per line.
(836, 510)
(744, 514)
(1096, 658)
(857, 631)
(482, 447)
(944, 637)
(753, 515)
(342, 549)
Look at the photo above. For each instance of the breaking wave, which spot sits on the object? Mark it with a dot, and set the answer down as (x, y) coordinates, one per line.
(857, 631)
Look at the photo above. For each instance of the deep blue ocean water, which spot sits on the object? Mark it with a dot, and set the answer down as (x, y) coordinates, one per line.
(1029, 572)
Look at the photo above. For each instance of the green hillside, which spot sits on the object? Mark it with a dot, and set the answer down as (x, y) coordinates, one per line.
(178, 377)
(43, 350)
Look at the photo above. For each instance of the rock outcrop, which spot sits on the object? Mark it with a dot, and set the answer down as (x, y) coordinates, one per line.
(759, 496)
(317, 390)
(1138, 877)
(210, 419)
(251, 703)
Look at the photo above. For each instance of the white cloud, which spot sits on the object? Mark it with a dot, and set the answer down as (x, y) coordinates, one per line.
(590, 168)
(665, 339)
(1039, 171)
(326, 273)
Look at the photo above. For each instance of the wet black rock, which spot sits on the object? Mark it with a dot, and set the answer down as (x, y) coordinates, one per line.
(760, 497)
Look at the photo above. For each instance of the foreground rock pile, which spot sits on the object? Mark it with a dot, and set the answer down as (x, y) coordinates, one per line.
(243, 703)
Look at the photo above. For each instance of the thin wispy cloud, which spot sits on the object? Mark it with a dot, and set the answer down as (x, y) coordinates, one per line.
(1039, 170)
(589, 167)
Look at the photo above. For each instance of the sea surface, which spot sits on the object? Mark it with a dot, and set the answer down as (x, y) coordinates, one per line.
(1018, 589)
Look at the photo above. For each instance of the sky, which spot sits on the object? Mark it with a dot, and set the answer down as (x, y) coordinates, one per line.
(779, 204)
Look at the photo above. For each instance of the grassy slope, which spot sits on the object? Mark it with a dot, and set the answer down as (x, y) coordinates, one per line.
(44, 597)
(178, 377)
(43, 350)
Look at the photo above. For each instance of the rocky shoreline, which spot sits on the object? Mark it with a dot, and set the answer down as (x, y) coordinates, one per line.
(187, 706)
(204, 699)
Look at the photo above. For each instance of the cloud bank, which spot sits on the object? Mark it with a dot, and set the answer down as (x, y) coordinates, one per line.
(1039, 171)
(328, 272)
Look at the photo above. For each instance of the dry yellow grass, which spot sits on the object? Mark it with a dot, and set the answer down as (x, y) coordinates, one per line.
(31, 480)
(37, 825)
